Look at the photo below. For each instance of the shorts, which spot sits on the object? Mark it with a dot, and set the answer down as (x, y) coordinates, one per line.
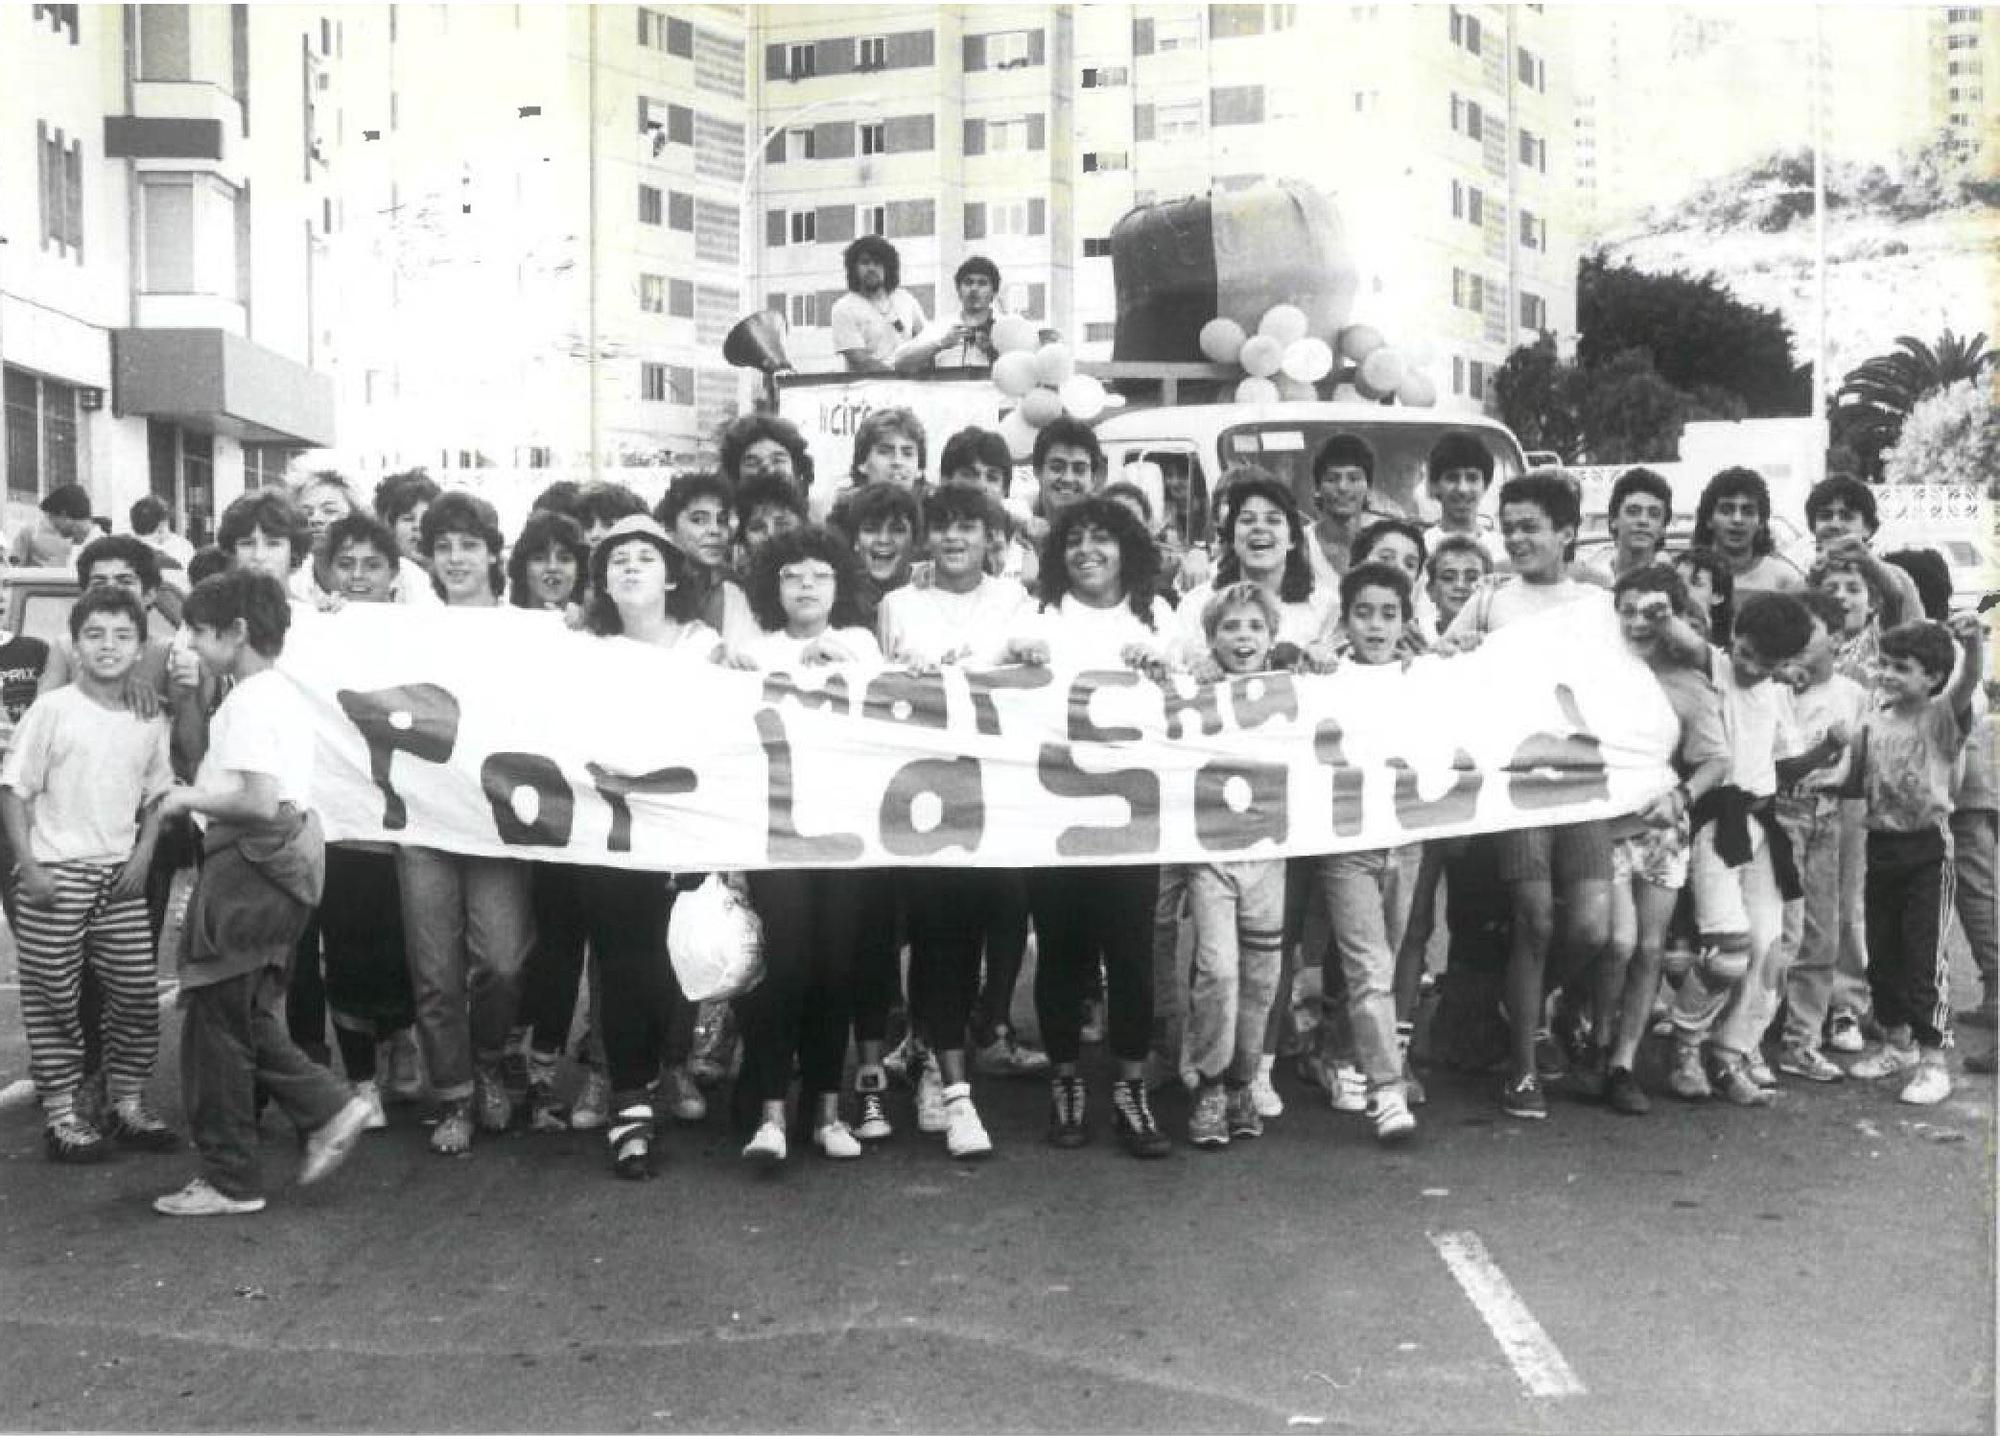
(1564, 853)
(1656, 856)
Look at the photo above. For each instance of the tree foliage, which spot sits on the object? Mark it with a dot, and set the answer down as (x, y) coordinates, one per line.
(1697, 332)
(1879, 394)
(1951, 436)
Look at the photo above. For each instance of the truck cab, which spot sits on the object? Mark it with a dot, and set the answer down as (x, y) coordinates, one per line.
(1191, 445)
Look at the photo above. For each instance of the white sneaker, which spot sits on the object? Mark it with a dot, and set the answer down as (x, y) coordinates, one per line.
(328, 1144)
(767, 1148)
(1264, 1097)
(371, 1093)
(1348, 1091)
(964, 1134)
(684, 1098)
(1929, 1086)
(592, 1108)
(199, 1199)
(1885, 1061)
(1391, 1115)
(930, 1098)
(837, 1140)
(1843, 1033)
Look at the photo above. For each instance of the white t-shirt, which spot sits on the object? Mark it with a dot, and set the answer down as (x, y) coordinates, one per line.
(1504, 600)
(858, 322)
(263, 726)
(921, 625)
(1303, 623)
(1840, 699)
(84, 770)
(781, 650)
(1077, 634)
(694, 639)
(1758, 722)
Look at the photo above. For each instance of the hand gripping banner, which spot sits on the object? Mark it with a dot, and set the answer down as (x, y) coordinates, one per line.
(500, 733)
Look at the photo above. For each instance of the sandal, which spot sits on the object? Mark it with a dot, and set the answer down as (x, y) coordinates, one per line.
(631, 1139)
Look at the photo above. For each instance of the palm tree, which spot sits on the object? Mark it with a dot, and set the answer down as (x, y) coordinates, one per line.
(1877, 395)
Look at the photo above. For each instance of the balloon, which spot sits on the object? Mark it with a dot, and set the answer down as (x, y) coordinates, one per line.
(1285, 323)
(1053, 364)
(1082, 395)
(1041, 406)
(1014, 373)
(1417, 391)
(1308, 360)
(1019, 434)
(1222, 340)
(1261, 356)
(1256, 390)
(1381, 372)
(1358, 341)
(1011, 333)
(1295, 390)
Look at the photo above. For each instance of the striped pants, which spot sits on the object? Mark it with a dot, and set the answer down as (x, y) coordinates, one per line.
(85, 924)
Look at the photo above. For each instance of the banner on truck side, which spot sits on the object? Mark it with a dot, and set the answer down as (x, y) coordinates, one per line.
(499, 732)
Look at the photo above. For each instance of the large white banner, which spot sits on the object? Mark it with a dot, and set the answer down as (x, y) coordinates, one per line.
(499, 732)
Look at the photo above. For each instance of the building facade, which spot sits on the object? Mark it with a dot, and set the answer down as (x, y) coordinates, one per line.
(945, 129)
(166, 214)
(544, 240)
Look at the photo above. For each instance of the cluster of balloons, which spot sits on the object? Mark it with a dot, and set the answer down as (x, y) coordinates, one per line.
(1043, 377)
(1282, 361)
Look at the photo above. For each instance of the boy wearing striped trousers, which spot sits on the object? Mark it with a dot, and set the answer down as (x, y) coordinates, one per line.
(81, 771)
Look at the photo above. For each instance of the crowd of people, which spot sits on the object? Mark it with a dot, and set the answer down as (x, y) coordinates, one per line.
(1785, 904)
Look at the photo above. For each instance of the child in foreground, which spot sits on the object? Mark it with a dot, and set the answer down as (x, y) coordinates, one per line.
(263, 870)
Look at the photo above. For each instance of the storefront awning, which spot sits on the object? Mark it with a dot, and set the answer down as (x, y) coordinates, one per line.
(212, 379)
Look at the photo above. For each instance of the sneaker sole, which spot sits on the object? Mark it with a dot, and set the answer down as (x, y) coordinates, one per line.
(234, 1209)
(339, 1145)
(973, 1154)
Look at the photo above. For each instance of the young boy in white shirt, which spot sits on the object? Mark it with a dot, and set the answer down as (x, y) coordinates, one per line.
(81, 769)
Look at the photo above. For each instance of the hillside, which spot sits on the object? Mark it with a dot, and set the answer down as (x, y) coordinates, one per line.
(1887, 274)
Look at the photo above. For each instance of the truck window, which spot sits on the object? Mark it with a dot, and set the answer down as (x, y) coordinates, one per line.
(1183, 488)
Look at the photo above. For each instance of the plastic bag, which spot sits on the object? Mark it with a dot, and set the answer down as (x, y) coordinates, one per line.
(715, 942)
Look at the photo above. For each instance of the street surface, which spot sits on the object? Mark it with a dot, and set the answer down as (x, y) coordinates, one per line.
(1823, 1265)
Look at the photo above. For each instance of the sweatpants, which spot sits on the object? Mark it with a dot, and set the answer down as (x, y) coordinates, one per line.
(1239, 929)
(1006, 950)
(878, 976)
(801, 1010)
(84, 926)
(1909, 896)
(234, 1041)
(1083, 914)
(646, 1019)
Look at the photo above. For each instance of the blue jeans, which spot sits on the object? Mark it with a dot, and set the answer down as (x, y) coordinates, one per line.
(1360, 891)
(468, 926)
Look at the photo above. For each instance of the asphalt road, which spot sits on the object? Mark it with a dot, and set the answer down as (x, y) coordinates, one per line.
(1823, 1265)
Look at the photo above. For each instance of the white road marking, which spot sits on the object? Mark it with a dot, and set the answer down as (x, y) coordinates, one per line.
(1534, 1357)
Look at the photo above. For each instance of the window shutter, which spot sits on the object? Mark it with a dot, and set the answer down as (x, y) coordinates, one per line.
(775, 303)
(975, 137)
(73, 204)
(910, 217)
(913, 48)
(774, 228)
(1142, 37)
(1142, 122)
(774, 62)
(680, 299)
(823, 302)
(833, 57)
(836, 223)
(975, 52)
(680, 125)
(904, 134)
(1038, 47)
(680, 38)
(1038, 299)
(680, 210)
(1038, 216)
(975, 221)
(1038, 132)
(833, 140)
(774, 149)
(42, 179)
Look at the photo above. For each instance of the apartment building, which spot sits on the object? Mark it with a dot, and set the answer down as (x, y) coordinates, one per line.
(1439, 131)
(1963, 89)
(165, 219)
(945, 129)
(545, 230)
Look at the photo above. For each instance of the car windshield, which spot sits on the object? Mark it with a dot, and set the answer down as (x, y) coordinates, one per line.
(1401, 454)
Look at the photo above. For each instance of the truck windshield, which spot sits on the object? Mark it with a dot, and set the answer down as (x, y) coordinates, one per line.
(1401, 452)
